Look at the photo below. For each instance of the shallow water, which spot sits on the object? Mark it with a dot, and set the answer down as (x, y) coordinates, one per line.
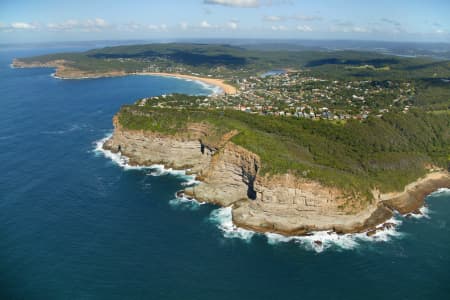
(74, 224)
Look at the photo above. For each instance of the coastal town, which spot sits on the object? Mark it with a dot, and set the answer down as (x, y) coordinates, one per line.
(300, 94)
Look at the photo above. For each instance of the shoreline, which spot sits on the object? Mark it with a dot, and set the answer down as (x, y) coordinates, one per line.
(318, 240)
(225, 88)
(68, 73)
(367, 221)
(221, 216)
(410, 200)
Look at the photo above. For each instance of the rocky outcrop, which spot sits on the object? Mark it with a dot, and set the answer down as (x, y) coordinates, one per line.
(229, 177)
(284, 204)
(411, 199)
(290, 205)
(147, 148)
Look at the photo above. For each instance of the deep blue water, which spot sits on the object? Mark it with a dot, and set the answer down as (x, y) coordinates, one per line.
(75, 225)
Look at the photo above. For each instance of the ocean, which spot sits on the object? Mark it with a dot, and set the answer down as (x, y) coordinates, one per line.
(78, 223)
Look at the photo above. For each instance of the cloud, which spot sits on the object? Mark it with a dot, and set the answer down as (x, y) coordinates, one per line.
(349, 27)
(293, 17)
(437, 28)
(89, 25)
(19, 26)
(184, 26)
(360, 29)
(279, 28)
(274, 18)
(343, 23)
(133, 27)
(205, 24)
(233, 25)
(390, 21)
(234, 3)
(23, 26)
(162, 27)
(306, 18)
(392, 26)
(304, 28)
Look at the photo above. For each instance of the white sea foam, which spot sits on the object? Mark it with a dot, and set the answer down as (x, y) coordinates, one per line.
(123, 161)
(317, 241)
(424, 213)
(216, 90)
(191, 182)
(440, 191)
(55, 76)
(185, 203)
(321, 240)
(223, 219)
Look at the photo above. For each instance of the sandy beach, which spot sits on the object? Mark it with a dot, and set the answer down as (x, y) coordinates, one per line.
(228, 89)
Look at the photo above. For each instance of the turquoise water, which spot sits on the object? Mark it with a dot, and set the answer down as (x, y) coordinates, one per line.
(76, 225)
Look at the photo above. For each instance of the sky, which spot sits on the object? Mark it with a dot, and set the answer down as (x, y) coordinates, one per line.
(81, 20)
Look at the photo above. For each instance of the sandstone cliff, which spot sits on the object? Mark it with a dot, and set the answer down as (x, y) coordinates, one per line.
(148, 148)
(283, 204)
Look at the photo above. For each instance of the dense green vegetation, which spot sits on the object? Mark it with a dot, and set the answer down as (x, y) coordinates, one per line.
(383, 152)
(225, 60)
(429, 76)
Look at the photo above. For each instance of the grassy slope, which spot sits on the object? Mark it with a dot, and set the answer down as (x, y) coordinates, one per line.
(386, 153)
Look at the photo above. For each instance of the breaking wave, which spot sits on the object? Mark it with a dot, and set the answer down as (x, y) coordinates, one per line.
(154, 170)
(317, 241)
(55, 76)
(185, 203)
(440, 191)
(216, 90)
(322, 240)
(222, 218)
(424, 213)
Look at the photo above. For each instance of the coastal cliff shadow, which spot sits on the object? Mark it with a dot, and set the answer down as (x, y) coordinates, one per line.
(251, 193)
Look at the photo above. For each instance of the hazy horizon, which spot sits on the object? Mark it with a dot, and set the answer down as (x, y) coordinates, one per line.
(52, 21)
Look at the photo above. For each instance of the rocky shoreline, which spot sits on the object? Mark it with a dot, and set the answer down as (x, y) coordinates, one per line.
(283, 204)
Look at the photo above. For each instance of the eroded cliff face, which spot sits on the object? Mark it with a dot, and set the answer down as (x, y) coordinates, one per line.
(148, 148)
(229, 177)
(284, 204)
(290, 205)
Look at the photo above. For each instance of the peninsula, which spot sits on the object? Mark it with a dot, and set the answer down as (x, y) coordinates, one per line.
(64, 71)
(339, 142)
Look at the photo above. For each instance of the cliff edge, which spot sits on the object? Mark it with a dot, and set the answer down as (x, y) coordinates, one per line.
(281, 203)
